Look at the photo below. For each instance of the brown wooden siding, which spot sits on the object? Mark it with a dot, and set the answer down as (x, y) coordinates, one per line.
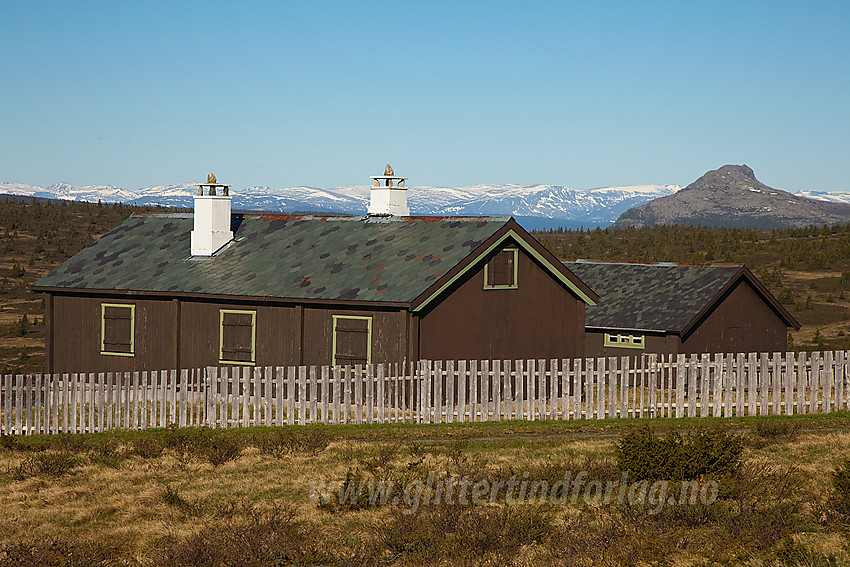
(388, 341)
(539, 319)
(657, 343)
(742, 322)
(75, 328)
(277, 333)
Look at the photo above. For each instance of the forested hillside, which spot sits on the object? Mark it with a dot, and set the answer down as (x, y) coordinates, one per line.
(34, 238)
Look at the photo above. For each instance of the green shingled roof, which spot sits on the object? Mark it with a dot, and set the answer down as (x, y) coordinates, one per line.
(337, 258)
(652, 297)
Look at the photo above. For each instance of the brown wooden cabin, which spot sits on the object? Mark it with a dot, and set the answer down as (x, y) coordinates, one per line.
(671, 309)
(310, 290)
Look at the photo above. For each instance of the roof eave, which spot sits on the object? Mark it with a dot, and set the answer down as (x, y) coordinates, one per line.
(240, 298)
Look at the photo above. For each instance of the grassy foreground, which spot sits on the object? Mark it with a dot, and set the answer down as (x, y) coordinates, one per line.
(241, 497)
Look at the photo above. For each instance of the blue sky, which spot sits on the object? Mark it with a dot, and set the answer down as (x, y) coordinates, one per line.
(582, 94)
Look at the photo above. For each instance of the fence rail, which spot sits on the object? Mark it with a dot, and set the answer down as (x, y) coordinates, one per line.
(719, 385)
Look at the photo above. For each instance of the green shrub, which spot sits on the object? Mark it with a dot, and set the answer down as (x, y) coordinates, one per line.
(675, 457)
(285, 441)
(773, 429)
(8, 442)
(50, 552)
(211, 445)
(148, 447)
(841, 488)
(274, 537)
(48, 463)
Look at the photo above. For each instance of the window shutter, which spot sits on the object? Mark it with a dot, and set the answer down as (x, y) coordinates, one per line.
(237, 336)
(352, 341)
(117, 329)
(500, 270)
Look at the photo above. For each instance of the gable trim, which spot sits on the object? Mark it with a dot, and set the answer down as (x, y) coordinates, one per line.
(528, 248)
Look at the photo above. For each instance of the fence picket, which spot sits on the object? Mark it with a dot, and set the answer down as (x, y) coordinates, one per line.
(839, 380)
(611, 375)
(462, 379)
(719, 385)
(576, 387)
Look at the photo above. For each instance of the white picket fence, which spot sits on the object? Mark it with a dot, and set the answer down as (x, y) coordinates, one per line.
(429, 392)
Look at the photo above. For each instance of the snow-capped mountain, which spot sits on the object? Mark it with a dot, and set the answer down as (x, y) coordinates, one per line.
(593, 207)
(835, 197)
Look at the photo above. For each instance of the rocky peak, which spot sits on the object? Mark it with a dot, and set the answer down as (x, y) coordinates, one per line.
(732, 196)
(735, 177)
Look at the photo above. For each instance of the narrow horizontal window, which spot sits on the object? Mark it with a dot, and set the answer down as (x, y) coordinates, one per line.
(117, 329)
(237, 336)
(501, 271)
(625, 340)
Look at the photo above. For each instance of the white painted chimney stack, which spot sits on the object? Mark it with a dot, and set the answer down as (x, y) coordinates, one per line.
(212, 218)
(388, 196)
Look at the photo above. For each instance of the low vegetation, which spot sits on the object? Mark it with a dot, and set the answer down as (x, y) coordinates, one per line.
(185, 497)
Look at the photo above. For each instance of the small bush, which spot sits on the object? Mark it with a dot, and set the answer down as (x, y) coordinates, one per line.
(841, 488)
(8, 442)
(107, 452)
(256, 539)
(676, 457)
(211, 445)
(49, 463)
(173, 499)
(460, 535)
(148, 447)
(58, 553)
(284, 441)
(773, 429)
(762, 504)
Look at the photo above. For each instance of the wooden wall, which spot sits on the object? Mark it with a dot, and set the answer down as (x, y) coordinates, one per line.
(277, 333)
(280, 339)
(75, 331)
(657, 343)
(743, 322)
(539, 319)
(389, 334)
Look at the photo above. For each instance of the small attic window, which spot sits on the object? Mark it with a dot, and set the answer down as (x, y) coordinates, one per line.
(501, 271)
(623, 340)
(237, 335)
(117, 329)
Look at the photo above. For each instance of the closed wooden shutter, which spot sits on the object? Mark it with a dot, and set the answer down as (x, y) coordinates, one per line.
(117, 329)
(237, 336)
(500, 270)
(351, 339)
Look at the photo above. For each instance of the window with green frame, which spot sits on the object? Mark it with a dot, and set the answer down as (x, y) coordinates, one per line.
(501, 271)
(352, 340)
(237, 336)
(625, 340)
(117, 329)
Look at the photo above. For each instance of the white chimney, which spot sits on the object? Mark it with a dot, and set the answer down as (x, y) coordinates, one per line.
(388, 196)
(212, 218)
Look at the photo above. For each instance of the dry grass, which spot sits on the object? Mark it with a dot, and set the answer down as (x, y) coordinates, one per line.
(161, 510)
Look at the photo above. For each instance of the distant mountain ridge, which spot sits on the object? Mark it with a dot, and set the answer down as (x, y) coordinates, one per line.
(731, 196)
(536, 206)
(535, 203)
